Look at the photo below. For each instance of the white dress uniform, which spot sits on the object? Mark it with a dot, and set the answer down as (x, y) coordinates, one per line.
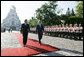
(67, 29)
(71, 29)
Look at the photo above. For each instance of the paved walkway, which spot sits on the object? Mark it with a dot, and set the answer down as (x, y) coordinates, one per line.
(68, 47)
(8, 41)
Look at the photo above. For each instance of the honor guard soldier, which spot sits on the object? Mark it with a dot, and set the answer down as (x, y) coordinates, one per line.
(60, 30)
(70, 31)
(66, 30)
(56, 32)
(63, 30)
(75, 31)
(80, 31)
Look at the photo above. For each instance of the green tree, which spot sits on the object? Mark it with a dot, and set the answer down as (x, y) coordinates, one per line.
(47, 13)
(64, 17)
(33, 22)
(72, 13)
(74, 20)
(79, 8)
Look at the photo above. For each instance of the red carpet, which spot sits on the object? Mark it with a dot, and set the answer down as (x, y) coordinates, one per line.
(31, 48)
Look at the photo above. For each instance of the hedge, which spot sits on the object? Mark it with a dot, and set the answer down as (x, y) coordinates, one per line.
(74, 20)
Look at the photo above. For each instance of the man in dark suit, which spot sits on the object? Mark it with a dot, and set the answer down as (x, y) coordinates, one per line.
(24, 30)
(39, 30)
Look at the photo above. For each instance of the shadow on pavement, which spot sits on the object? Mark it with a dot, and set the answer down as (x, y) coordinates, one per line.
(71, 51)
(43, 51)
(37, 49)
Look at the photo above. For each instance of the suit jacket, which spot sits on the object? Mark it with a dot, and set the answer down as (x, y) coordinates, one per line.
(39, 29)
(25, 28)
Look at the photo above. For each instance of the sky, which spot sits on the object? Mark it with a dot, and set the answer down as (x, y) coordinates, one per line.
(26, 9)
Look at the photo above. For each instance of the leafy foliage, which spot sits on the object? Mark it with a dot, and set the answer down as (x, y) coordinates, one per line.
(79, 8)
(74, 20)
(33, 22)
(47, 13)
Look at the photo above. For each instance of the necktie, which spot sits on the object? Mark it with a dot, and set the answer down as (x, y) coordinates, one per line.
(40, 25)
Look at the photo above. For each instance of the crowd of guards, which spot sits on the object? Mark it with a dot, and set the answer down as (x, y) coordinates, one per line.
(66, 31)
